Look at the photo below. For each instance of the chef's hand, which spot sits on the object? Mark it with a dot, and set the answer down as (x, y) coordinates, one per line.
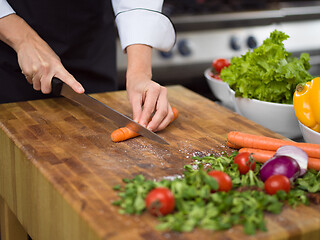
(37, 60)
(146, 96)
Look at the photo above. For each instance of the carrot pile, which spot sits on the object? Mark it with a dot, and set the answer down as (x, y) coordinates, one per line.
(124, 133)
(263, 147)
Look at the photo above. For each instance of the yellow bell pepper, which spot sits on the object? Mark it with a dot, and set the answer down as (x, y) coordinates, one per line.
(306, 102)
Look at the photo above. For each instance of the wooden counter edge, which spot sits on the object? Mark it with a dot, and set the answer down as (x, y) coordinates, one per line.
(20, 186)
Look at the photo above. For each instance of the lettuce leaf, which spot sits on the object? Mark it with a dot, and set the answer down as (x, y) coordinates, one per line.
(268, 73)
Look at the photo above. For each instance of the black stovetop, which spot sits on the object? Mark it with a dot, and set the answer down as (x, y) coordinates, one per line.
(199, 7)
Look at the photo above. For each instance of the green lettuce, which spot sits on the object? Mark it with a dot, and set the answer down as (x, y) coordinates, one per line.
(268, 73)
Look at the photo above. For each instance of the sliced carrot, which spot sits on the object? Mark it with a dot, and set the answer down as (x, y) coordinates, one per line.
(175, 113)
(124, 133)
(263, 155)
(241, 139)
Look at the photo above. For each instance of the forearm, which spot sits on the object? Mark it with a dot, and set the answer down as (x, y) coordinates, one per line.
(139, 58)
(14, 31)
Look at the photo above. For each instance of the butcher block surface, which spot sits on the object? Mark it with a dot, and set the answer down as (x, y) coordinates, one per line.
(58, 167)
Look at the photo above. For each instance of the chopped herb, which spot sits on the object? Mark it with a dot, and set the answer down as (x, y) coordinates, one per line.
(199, 205)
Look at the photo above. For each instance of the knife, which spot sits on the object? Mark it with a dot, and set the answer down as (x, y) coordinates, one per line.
(60, 88)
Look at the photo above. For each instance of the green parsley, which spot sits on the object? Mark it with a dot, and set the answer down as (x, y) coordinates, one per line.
(198, 207)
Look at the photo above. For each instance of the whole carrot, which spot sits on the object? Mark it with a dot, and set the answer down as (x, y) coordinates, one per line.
(229, 144)
(246, 140)
(314, 163)
(124, 133)
(259, 154)
(263, 155)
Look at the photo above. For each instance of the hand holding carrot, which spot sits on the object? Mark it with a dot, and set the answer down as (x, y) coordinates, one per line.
(124, 133)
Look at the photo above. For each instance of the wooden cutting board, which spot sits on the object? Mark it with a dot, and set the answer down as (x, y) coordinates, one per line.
(58, 167)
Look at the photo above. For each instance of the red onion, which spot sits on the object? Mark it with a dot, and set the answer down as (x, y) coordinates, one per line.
(297, 154)
(280, 165)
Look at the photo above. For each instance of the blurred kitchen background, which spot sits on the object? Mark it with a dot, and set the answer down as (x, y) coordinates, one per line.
(210, 29)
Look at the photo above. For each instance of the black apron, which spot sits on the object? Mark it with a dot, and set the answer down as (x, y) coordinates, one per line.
(82, 34)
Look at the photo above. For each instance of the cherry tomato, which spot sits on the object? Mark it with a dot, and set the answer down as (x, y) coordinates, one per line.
(245, 162)
(223, 179)
(215, 76)
(220, 63)
(160, 201)
(276, 183)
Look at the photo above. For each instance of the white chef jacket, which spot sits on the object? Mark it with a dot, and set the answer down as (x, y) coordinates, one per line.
(138, 22)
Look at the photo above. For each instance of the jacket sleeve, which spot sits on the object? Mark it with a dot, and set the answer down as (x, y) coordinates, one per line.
(142, 22)
(5, 9)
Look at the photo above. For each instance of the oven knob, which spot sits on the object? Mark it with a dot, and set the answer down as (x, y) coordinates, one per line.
(252, 42)
(235, 43)
(184, 48)
(166, 55)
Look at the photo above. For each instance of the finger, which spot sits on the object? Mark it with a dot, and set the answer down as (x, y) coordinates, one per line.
(70, 80)
(161, 118)
(136, 104)
(29, 79)
(45, 81)
(36, 82)
(166, 121)
(45, 71)
(149, 105)
(27, 76)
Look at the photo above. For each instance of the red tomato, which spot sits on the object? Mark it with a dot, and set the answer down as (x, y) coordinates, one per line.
(215, 76)
(220, 63)
(276, 183)
(223, 179)
(160, 201)
(245, 162)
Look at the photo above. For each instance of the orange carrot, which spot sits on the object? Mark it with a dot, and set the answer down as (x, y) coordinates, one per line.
(125, 133)
(259, 154)
(122, 134)
(263, 155)
(229, 144)
(267, 143)
(314, 163)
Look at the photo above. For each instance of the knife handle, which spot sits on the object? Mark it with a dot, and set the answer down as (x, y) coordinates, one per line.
(56, 85)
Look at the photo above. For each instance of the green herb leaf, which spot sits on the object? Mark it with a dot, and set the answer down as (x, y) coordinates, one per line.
(197, 206)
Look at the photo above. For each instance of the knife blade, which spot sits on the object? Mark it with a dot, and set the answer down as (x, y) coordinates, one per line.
(60, 88)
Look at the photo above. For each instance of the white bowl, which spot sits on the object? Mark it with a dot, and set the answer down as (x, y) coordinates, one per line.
(277, 117)
(220, 90)
(309, 135)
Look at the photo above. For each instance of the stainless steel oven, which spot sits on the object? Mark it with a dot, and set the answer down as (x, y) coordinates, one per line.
(209, 29)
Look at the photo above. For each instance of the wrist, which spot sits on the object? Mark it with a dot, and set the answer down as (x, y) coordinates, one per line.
(135, 73)
(135, 77)
(139, 61)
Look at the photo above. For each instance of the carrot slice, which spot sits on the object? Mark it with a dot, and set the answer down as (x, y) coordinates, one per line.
(263, 155)
(124, 133)
(241, 139)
